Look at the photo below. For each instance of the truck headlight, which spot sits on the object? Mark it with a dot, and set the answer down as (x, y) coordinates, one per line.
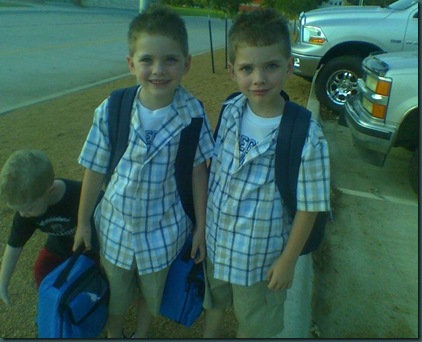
(380, 86)
(375, 102)
(375, 109)
(313, 35)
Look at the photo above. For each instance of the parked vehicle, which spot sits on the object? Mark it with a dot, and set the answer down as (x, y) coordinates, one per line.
(385, 112)
(335, 40)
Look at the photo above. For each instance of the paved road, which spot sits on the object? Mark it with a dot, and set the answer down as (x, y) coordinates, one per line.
(50, 50)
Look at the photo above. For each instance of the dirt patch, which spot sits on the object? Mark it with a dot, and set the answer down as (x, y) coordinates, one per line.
(59, 127)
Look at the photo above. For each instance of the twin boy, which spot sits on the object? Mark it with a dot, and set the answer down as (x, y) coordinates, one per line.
(242, 229)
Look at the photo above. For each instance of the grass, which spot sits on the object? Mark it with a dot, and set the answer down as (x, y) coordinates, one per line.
(11, 4)
(184, 11)
(199, 12)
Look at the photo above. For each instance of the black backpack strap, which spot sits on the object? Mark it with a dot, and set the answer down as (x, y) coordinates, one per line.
(221, 112)
(120, 106)
(293, 130)
(292, 133)
(184, 165)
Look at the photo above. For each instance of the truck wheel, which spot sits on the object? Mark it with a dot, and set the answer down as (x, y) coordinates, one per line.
(414, 171)
(338, 79)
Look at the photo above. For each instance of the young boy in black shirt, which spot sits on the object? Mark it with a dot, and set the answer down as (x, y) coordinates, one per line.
(27, 185)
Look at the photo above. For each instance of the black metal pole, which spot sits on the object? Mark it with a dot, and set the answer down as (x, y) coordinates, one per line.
(225, 43)
(212, 51)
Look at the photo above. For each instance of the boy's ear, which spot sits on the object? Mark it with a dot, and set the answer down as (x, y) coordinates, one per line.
(51, 188)
(290, 66)
(231, 71)
(130, 64)
(188, 61)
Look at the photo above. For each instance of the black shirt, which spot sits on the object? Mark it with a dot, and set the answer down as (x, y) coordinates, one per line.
(59, 222)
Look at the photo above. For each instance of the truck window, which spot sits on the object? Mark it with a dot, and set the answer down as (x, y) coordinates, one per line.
(402, 4)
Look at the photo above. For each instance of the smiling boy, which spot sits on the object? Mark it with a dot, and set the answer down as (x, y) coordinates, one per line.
(252, 246)
(141, 222)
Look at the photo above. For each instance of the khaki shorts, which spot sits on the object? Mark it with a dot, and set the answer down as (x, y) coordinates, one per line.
(126, 285)
(259, 311)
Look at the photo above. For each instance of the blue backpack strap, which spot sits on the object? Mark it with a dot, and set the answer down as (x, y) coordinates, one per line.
(120, 104)
(184, 165)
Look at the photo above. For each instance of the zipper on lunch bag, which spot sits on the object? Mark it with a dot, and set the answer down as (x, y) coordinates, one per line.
(67, 296)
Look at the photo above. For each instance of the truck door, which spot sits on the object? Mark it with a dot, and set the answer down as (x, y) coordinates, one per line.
(411, 35)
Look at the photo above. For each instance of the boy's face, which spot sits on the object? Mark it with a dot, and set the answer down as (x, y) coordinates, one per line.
(34, 208)
(159, 65)
(260, 73)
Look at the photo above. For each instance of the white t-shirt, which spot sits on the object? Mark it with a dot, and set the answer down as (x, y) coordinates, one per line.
(254, 129)
(151, 121)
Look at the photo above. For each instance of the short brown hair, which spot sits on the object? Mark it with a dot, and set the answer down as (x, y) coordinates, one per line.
(158, 19)
(25, 177)
(259, 28)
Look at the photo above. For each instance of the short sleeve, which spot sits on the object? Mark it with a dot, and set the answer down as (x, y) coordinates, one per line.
(95, 154)
(313, 189)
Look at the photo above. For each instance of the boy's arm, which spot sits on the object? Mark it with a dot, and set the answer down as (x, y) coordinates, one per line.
(91, 188)
(280, 275)
(10, 259)
(199, 188)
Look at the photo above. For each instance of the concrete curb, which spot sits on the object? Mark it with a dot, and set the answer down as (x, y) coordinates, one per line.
(313, 103)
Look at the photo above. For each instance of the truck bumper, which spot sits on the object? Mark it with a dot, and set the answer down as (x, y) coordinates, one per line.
(305, 62)
(373, 141)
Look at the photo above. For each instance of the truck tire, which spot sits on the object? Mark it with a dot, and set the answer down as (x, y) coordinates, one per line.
(414, 171)
(337, 80)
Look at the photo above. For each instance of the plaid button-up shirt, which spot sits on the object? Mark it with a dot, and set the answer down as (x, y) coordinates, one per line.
(247, 224)
(141, 213)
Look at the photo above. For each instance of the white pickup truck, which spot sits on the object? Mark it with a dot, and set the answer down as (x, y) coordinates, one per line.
(335, 40)
(385, 112)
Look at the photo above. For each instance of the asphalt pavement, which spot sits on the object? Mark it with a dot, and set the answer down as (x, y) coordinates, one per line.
(48, 50)
(365, 281)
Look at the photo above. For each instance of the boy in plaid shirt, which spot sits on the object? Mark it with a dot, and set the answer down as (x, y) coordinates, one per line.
(252, 246)
(140, 220)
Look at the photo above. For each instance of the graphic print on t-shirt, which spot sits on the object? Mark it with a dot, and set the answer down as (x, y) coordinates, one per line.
(151, 121)
(254, 129)
(246, 143)
(149, 137)
(57, 226)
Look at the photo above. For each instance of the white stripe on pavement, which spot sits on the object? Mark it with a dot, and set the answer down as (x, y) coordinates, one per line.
(371, 195)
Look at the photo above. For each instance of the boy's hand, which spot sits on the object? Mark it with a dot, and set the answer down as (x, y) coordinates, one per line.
(4, 295)
(82, 236)
(198, 245)
(280, 276)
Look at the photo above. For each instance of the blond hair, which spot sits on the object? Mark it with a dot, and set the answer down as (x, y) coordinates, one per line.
(159, 20)
(25, 177)
(259, 28)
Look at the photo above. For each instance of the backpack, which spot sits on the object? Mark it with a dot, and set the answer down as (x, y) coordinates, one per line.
(293, 130)
(73, 300)
(120, 106)
(184, 289)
